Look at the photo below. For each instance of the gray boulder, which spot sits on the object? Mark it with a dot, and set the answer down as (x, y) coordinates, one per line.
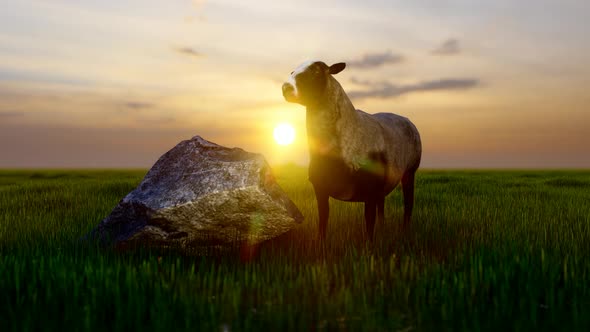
(201, 194)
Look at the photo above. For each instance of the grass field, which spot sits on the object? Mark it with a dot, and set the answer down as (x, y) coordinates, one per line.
(488, 250)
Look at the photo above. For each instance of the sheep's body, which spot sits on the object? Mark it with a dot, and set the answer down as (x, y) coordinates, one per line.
(354, 156)
(351, 149)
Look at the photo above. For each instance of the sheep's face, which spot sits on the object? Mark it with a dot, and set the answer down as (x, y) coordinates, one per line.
(308, 82)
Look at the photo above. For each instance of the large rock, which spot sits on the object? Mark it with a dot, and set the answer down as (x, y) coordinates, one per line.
(202, 194)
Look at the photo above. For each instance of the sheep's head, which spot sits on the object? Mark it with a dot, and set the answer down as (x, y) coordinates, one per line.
(308, 82)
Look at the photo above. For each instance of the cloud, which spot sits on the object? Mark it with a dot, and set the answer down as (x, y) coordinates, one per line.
(188, 51)
(150, 116)
(449, 47)
(375, 60)
(385, 89)
(10, 114)
(136, 105)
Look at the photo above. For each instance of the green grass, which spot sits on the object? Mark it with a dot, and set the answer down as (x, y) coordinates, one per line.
(487, 250)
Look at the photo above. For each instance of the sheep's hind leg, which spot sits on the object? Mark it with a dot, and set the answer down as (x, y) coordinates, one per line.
(408, 190)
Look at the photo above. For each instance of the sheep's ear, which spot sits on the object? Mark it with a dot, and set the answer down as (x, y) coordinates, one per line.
(337, 67)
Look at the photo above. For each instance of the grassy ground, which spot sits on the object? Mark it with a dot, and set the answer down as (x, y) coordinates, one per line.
(487, 250)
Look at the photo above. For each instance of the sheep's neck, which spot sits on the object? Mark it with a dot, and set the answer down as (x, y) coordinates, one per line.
(333, 116)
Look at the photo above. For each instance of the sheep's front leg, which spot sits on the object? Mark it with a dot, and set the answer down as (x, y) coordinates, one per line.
(381, 211)
(370, 212)
(323, 211)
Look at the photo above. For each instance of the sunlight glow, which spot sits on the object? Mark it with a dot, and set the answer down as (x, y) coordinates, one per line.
(284, 134)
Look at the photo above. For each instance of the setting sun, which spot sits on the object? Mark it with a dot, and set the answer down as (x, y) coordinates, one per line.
(284, 134)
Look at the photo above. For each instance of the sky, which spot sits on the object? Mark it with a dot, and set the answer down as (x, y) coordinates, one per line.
(101, 84)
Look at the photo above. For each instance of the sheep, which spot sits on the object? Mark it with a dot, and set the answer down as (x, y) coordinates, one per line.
(354, 156)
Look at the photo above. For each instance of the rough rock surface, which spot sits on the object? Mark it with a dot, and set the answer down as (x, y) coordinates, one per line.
(201, 194)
